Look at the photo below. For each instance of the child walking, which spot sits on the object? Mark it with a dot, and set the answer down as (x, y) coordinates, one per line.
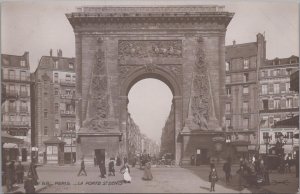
(213, 178)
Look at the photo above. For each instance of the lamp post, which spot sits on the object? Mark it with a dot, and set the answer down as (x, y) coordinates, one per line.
(267, 140)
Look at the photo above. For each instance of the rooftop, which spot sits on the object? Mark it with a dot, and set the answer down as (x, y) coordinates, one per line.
(241, 50)
(15, 60)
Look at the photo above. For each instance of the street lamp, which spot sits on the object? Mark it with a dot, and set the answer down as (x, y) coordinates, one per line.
(267, 140)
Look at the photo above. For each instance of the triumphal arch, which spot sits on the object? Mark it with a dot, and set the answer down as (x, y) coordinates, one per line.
(183, 46)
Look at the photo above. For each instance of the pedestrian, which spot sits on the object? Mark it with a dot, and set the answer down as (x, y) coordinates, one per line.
(289, 160)
(192, 160)
(134, 161)
(32, 173)
(95, 161)
(111, 167)
(241, 173)
(125, 170)
(102, 169)
(213, 178)
(20, 172)
(118, 161)
(82, 168)
(10, 179)
(29, 185)
(147, 172)
(227, 170)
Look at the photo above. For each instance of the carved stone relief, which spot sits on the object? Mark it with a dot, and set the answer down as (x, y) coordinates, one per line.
(200, 100)
(99, 106)
(150, 48)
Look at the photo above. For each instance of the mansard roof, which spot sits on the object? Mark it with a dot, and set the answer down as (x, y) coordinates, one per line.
(48, 62)
(241, 50)
(8, 60)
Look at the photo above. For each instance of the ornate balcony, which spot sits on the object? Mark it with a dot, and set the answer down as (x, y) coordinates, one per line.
(67, 113)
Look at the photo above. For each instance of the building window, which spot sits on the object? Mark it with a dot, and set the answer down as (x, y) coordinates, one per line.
(228, 91)
(264, 73)
(22, 63)
(68, 91)
(68, 77)
(264, 89)
(246, 123)
(228, 108)
(45, 113)
(290, 135)
(289, 103)
(276, 89)
(246, 63)
(56, 92)
(227, 79)
(70, 126)
(277, 134)
(56, 124)
(265, 104)
(74, 78)
(11, 74)
(228, 122)
(55, 77)
(23, 75)
(246, 77)
(265, 135)
(287, 87)
(227, 66)
(276, 104)
(71, 66)
(245, 107)
(56, 65)
(56, 107)
(45, 130)
(245, 90)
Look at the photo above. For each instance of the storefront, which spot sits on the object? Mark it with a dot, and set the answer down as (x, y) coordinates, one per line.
(54, 152)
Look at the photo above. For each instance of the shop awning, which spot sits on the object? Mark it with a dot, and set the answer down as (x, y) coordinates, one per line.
(288, 123)
(10, 145)
(6, 138)
(54, 140)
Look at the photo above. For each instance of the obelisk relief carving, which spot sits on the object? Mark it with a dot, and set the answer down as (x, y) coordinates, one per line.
(99, 109)
(201, 111)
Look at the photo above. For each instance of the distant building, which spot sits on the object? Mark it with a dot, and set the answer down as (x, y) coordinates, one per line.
(54, 94)
(168, 132)
(278, 103)
(16, 103)
(241, 120)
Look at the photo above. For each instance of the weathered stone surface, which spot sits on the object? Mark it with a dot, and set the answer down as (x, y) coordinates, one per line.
(116, 49)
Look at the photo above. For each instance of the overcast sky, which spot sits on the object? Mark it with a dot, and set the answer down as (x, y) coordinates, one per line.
(38, 26)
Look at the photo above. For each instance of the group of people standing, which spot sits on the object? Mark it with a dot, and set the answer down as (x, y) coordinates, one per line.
(15, 174)
(124, 170)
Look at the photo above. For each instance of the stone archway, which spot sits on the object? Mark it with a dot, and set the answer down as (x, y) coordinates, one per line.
(184, 46)
(165, 73)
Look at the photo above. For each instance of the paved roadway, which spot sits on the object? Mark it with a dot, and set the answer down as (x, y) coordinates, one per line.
(166, 180)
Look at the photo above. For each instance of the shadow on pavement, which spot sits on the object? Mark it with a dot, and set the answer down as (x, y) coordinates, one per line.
(203, 173)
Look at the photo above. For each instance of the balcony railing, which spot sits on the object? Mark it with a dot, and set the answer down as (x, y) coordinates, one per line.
(12, 94)
(67, 113)
(66, 96)
(67, 82)
(15, 123)
(24, 109)
(24, 94)
(7, 77)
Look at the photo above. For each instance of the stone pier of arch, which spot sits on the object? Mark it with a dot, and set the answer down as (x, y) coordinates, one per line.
(183, 46)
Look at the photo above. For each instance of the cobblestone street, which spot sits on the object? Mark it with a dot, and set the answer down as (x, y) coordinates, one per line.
(166, 180)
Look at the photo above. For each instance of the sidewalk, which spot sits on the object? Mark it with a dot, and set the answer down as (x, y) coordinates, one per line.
(20, 188)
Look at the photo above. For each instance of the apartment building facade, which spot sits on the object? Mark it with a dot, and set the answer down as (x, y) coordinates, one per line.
(278, 102)
(55, 107)
(16, 113)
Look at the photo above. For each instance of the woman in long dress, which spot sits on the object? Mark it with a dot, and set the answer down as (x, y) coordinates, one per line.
(147, 172)
(126, 173)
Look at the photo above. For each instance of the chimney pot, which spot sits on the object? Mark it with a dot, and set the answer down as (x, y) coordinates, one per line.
(233, 42)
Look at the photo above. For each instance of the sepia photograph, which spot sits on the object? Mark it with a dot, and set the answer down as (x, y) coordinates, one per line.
(148, 96)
